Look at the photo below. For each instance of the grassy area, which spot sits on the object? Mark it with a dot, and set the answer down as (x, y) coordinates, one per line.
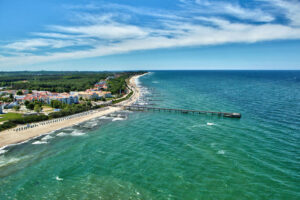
(9, 116)
(47, 108)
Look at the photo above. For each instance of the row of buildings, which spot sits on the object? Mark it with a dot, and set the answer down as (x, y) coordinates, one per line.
(47, 97)
(99, 91)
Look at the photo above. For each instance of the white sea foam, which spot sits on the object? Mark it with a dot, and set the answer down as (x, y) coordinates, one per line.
(210, 124)
(29, 140)
(47, 137)
(137, 82)
(221, 152)
(118, 119)
(77, 133)
(62, 134)
(6, 161)
(40, 142)
(69, 129)
(105, 117)
(59, 179)
(90, 124)
(2, 151)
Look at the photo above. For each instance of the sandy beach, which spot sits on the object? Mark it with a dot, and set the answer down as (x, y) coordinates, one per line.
(10, 136)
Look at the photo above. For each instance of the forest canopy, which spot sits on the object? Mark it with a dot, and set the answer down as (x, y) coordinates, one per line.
(59, 81)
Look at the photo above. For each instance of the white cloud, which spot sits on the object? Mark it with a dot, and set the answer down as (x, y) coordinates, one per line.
(290, 8)
(104, 31)
(133, 10)
(30, 44)
(54, 35)
(106, 35)
(222, 7)
(192, 35)
(35, 44)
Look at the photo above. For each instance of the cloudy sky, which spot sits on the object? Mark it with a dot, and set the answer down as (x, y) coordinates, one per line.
(144, 34)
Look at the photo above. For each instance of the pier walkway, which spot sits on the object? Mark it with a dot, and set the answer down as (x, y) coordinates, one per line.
(147, 108)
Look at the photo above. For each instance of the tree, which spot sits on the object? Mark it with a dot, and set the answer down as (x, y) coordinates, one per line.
(56, 104)
(19, 92)
(89, 103)
(26, 103)
(30, 106)
(37, 108)
(16, 108)
(30, 91)
(38, 102)
(11, 96)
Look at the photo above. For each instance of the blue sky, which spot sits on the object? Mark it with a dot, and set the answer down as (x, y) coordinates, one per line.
(156, 34)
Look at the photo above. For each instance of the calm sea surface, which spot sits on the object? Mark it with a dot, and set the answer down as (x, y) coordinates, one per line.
(151, 155)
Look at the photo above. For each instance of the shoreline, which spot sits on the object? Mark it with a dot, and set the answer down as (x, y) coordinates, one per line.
(10, 137)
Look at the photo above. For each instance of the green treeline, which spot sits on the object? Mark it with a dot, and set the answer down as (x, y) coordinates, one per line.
(51, 81)
(63, 81)
(123, 99)
(118, 85)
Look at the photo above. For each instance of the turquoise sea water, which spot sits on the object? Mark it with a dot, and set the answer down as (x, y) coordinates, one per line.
(151, 155)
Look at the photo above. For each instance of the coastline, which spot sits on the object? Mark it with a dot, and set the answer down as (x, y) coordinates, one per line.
(10, 137)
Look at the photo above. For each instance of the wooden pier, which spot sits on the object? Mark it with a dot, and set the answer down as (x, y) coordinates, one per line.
(147, 108)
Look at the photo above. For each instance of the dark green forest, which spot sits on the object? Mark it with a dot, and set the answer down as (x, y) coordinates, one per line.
(61, 81)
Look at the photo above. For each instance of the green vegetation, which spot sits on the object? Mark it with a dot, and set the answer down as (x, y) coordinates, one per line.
(68, 110)
(56, 104)
(37, 108)
(10, 116)
(118, 85)
(52, 81)
(16, 108)
(7, 125)
(19, 92)
(122, 99)
(30, 119)
(6, 99)
(55, 81)
(31, 105)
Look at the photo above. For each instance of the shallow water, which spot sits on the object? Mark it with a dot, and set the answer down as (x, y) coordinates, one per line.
(152, 155)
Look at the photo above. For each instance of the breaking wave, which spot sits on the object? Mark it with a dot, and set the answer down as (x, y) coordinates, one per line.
(77, 133)
(40, 142)
(221, 152)
(2, 151)
(62, 134)
(210, 124)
